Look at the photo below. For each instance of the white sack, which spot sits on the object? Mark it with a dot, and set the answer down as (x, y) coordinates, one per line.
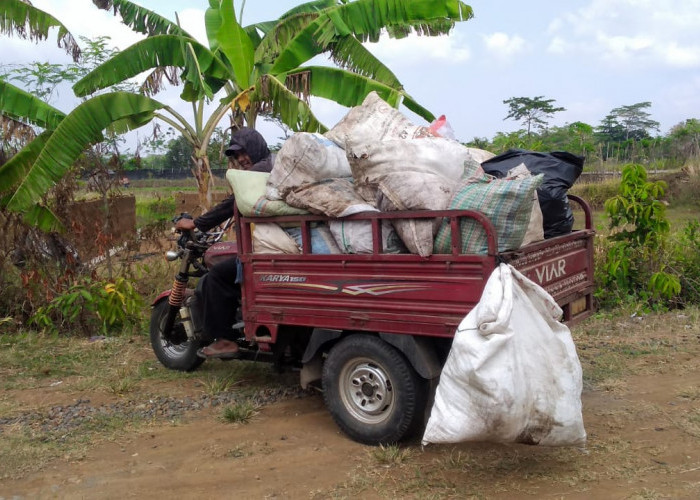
(305, 158)
(355, 236)
(331, 197)
(374, 120)
(268, 237)
(512, 374)
(371, 162)
(415, 191)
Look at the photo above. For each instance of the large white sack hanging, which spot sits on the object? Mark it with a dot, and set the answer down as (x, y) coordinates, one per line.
(512, 374)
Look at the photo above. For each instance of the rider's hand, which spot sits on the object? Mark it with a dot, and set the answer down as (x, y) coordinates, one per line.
(185, 225)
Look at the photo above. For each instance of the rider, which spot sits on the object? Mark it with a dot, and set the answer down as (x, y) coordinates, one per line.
(217, 290)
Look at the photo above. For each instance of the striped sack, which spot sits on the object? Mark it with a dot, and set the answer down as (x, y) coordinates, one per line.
(506, 202)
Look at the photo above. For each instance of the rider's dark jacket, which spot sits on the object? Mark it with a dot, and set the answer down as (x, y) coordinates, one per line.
(256, 147)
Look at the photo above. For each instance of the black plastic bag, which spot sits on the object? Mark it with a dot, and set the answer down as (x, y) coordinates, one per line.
(560, 169)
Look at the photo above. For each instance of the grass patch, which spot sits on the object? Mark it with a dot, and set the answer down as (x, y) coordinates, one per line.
(391, 454)
(24, 451)
(689, 393)
(239, 413)
(216, 384)
(27, 449)
(151, 209)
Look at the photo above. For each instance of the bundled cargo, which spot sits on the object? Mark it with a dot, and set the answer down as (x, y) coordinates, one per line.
(560, 170)
(305, 159)
(376, 159)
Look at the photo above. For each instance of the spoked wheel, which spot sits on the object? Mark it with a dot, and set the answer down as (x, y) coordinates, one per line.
(176, 351)
(373, 393)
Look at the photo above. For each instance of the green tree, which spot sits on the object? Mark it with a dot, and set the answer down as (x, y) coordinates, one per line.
(685, 139)
(40, 164)
(531, 111)
(259, 67)
(610, 129)
(634, 120)
(575, 137)
(179, 154)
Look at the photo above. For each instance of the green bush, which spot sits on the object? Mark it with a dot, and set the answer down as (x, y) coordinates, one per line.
(92, 305)
(633, 266)
(684, 259)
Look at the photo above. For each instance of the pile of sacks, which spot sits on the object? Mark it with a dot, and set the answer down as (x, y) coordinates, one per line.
(375, 159)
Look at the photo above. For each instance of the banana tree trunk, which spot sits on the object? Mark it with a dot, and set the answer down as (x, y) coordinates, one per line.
(203, 176)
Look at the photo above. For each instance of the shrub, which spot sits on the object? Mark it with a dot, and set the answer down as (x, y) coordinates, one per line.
(634, 267)
(91, 305)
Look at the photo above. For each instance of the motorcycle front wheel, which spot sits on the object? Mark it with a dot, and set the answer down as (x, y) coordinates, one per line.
(174, 351)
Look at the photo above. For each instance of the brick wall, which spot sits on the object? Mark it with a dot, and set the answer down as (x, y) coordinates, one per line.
(86, 224)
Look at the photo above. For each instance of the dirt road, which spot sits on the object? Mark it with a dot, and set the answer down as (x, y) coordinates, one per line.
(642, 420)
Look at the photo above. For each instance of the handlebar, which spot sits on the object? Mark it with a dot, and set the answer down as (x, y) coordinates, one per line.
(196, 239)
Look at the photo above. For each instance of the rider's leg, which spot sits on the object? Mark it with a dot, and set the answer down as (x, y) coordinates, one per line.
(220, 298)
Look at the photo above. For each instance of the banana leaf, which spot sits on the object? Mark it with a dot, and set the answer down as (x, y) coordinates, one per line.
(350, 89)
(365, 19)
(153, 52)
(78, 130)
(26, 21)
(279, 101)
(314, 6)
(24, 107)
(283, 32)
(235, 44)
(279, 32)
(43, 218)
(16, 168)
(140, 19)
(349, 54)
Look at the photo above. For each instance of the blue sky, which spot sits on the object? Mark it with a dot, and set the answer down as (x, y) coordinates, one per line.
(589, 55)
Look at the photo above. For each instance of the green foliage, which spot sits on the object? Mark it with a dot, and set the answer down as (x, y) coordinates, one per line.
(634, 268)
(531, 111)
(239, 412)
(91, 304)
(149, 211)
(685, 260)
(684, 140)
(628, 122)
(637, 211)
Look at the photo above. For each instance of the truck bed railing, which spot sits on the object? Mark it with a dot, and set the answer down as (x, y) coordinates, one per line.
(306, 222)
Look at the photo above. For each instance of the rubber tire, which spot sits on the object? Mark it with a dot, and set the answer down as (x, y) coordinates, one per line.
(181, 357)
(361, 357)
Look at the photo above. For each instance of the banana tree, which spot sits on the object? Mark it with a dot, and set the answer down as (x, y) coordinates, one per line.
(45, 158)
(260, 68)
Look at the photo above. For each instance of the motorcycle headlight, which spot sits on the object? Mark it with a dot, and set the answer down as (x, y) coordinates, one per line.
(171, 255)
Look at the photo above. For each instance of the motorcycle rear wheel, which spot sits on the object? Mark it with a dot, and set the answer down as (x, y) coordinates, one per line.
(176, 351)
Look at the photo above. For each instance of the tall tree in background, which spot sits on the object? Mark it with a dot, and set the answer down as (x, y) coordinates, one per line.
(260, 68)
(635, 121)
(685, 139)
(532, 112)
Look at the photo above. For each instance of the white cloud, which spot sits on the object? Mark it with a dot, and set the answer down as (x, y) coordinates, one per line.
(558, 45)
(504, 46)
(631, 33)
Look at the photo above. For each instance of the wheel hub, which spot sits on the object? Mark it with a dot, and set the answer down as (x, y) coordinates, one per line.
(368, 392)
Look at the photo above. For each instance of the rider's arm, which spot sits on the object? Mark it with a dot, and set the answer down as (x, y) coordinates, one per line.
(216, 215)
